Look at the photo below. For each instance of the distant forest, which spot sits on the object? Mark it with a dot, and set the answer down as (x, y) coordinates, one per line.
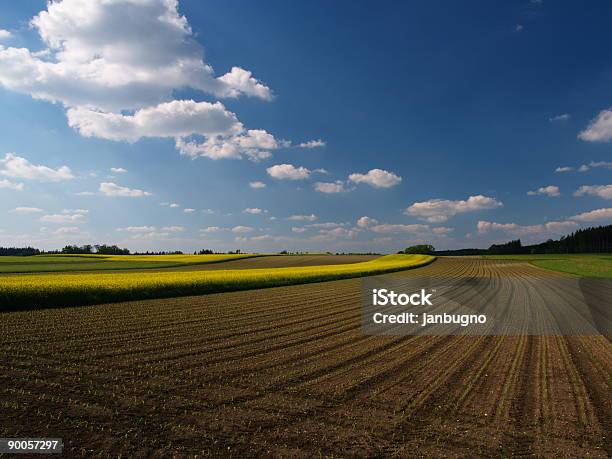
(18, 251)
(100, 249)
(588, 240)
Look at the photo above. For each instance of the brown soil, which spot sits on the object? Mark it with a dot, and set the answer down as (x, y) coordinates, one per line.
(287, 372)
(285, 261)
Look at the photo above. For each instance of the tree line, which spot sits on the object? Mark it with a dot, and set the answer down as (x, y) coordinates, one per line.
(588, 240)
(101, 249)
(18, 251)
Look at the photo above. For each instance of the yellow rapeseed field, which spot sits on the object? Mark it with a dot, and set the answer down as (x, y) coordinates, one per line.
(56, 290)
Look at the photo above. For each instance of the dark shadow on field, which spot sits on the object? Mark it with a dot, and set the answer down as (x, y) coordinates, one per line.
(597, 294)
(512, 305)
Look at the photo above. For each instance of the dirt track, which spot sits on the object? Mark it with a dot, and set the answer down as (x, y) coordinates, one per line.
(287, 372)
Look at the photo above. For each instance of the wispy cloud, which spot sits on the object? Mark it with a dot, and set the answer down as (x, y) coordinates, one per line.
(562, 117)
(312, 144)
(242, 229)
(112, 189)
(63, 218)
(254, 211)
(27, 210)
(309, 218)
(550, 190)
(330, 187)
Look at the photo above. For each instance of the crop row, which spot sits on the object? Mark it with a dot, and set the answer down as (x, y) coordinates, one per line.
(287, 372)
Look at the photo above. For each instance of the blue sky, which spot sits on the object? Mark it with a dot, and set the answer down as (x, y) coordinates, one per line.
(441, 122)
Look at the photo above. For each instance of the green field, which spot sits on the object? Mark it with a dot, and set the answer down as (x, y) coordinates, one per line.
(64, 263)
(586, 265)
(70, 289)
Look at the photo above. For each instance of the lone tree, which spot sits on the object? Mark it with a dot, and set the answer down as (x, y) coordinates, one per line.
(422, 249)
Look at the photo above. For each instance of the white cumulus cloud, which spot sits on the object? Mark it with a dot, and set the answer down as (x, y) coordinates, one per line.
(599, 129)
(377, 178)
(176, 119)
(114, 55)
(549, 228)
(254, 144)
(594, 215)
(288, 172)
(14, 166)
(242, 229)
(254, 210)
(115, 65)
(257, 185)
(11, 185)
(241, 81)
(366, 222)
(602, 191)
(440, 210)
(330, 187)
(598, 164)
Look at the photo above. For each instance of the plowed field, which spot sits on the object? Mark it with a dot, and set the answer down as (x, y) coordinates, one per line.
(287, 372)
(285, 261)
